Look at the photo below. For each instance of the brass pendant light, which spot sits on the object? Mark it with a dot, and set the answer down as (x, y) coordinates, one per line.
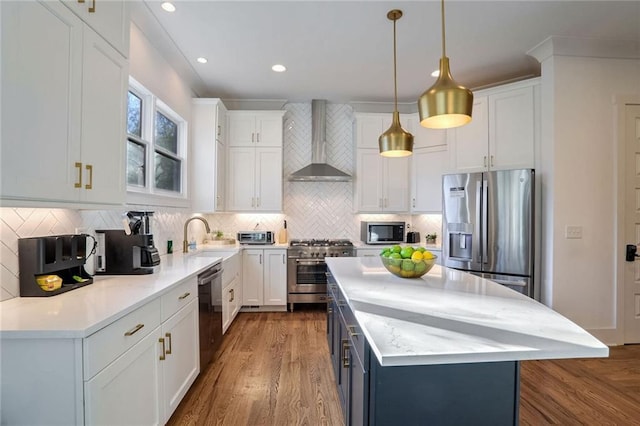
(446, 104)
(395, 142)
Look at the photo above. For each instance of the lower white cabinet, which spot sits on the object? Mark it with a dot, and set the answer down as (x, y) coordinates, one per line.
(128, 391)
(264, 277)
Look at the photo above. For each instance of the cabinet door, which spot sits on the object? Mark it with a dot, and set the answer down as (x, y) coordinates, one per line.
(104, 84)
(369, 181)
(110, 19)
(470, 142)
(396, 185)
(252, 278)
(426, 138)
(181, 365)
(221, 122)
(428, 166)
(241, 175)
(242, 129)
(511, 129)
(368, 130)
(41, 96)
(128, 391)
(268, 184)
(275, 277)
(269, 130)
(221, 179)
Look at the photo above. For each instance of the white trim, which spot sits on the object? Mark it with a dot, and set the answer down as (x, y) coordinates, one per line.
(620, 103)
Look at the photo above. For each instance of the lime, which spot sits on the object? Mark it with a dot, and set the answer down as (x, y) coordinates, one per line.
(385, 254)
(408, 265)
(420, 267)
(395, 259)
(385, 250)
(421, 249)
(396, 249)
(406, 252)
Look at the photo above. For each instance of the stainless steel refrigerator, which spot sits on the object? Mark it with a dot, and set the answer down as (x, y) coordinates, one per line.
(488, 226)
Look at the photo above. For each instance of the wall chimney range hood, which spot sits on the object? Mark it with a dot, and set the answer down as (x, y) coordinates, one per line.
(319, 170)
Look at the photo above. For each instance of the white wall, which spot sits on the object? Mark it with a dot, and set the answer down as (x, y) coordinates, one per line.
(578, 170)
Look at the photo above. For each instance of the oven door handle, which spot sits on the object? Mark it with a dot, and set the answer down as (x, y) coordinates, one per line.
(310, 262)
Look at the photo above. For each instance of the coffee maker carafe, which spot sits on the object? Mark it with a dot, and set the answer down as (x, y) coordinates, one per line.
(130, 251)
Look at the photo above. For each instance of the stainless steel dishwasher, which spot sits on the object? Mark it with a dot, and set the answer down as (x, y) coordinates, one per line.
(210, 300)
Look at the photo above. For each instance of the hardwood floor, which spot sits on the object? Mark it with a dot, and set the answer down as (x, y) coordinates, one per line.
(274, 369)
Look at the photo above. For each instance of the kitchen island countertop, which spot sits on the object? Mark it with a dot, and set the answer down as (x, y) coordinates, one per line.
(83, 311)
(449, 316)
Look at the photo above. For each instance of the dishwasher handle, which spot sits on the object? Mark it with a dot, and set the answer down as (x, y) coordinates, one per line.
(209, 275)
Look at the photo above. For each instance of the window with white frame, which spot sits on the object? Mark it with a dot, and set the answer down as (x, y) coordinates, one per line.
(156, 145)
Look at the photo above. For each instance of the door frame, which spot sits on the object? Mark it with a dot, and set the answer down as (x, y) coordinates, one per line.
(620, 103)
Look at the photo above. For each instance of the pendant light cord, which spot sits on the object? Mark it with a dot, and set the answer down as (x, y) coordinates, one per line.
(444, 53)
(395, 77)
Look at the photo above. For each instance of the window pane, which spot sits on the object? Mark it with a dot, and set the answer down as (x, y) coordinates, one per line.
(134, 114)
(166, 133)
(135, 163)
(167, 173)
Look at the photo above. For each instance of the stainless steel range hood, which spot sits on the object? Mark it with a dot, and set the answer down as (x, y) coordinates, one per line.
(319, 170)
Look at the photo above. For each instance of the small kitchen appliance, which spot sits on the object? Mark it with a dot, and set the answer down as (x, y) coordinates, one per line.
(306, 268)
(413, 237)
(382, 232)
(256, 237)
(127, 252)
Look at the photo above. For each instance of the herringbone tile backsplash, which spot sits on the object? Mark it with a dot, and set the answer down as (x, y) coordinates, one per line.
(312, 209)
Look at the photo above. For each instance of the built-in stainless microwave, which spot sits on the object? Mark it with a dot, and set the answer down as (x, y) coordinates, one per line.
(382, 232)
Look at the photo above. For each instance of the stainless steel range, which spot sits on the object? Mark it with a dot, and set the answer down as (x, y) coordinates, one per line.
(306, 268)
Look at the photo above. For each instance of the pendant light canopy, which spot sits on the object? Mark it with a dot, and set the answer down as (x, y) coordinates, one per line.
(395, 142)
(446, 104)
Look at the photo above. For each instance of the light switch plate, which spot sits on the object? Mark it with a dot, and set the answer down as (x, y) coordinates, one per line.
(573, 232)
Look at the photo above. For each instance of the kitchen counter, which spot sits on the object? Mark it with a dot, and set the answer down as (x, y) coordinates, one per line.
(81, 312)
(451, 317)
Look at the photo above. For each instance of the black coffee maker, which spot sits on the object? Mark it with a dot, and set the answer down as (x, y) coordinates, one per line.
(130, 251)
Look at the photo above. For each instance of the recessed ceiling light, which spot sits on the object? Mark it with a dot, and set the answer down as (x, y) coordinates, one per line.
(169, 7)
(279, 68)
(202, 60)
(436, 73)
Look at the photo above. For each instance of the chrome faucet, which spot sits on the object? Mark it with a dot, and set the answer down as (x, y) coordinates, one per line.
(185, 243)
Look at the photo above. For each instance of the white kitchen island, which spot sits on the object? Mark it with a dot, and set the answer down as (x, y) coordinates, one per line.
(441, 349)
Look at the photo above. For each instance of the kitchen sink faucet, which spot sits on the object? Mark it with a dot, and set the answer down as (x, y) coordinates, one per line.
(185, 243)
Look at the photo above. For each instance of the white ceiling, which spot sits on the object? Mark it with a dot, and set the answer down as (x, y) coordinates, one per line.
(342, 51)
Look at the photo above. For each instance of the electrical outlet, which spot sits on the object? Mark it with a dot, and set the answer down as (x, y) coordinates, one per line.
(573, 232)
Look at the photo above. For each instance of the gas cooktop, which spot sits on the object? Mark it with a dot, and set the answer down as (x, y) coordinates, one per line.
(320, 243)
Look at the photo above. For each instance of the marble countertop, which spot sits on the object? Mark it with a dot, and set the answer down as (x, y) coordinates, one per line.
(449, 316)
(81, 312)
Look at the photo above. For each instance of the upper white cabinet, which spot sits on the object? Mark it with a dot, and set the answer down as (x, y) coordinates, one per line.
(503, 130)
(63, 108)
(109, 18)
(208, 155)
(427, 167)
(254, 170)
(381, 184)
(255, 128)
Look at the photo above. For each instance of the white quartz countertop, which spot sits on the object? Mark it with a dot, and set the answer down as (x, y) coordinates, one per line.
(81, 312)
(449, 316)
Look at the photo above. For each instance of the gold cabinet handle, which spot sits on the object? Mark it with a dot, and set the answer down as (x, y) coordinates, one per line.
(345, 354)
(89, 168)
(78, 184)
(491, 161)
(80, 1)
(92, 9)
(164, 352)
(233, 296)
(257, 137)
(351, 329)
(168, 336)
(184, 296)
(134, 330)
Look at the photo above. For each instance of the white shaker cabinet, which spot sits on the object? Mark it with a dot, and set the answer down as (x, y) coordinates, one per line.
(231, 288)
(209, 155)
(264, 277)
(502, 133)
(254, 179)
(382, 184)
(63, 108)
(109, 18)
(427, 167)
(255, 128)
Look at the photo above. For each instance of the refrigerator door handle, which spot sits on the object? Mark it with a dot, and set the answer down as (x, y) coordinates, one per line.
(477, 233)
(485, 221)
(513, 283)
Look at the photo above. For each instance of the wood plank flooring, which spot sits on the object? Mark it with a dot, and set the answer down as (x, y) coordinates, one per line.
(274, 369)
